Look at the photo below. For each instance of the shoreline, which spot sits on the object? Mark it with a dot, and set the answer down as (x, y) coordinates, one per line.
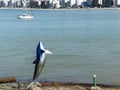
(61, 9)
(10, 83)
(54, 85)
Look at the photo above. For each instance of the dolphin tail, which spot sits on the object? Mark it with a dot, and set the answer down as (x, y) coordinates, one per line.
(30, 85)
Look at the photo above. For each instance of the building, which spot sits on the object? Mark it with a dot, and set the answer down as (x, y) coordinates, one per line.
(59, 3)
(5, 3)
(73, 3)
(55, 4)
(117, 2)
(80, 2)
(100, 2)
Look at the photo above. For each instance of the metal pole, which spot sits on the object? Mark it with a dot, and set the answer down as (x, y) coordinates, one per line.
(94, 80)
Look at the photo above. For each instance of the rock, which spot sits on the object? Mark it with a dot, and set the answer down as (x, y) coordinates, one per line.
(22, 86)
(14, 85)
(77, 87)
(53, 86)
(7, 79)
(95, 88)
(34, 87)
(8, 86)
(54, 83)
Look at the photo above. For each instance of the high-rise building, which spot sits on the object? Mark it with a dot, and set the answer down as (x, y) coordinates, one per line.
(118, 2)
(72, 3)
(11, 3)
(56, 4)
(95, 3)
(5, 3)
(79, 2)
(100, 2)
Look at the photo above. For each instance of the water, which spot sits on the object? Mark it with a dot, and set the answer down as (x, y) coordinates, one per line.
(83, 43)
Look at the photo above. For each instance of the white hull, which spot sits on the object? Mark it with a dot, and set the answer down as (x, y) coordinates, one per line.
(25, 16)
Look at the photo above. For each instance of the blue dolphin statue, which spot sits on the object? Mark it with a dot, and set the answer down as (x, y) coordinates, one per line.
(39, 62)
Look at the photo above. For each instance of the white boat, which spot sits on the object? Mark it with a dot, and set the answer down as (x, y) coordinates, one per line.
(25, 16)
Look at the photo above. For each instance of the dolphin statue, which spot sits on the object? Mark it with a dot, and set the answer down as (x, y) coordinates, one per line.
(39, 62)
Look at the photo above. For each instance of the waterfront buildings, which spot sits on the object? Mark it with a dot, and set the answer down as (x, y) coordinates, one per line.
(59, 3)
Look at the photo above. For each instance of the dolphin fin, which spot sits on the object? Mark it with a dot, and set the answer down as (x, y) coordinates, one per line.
(41, 46)
(48, 52)
(43, 49)
(30, 85)
(34, 62)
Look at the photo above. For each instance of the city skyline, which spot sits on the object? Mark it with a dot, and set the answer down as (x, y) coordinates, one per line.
(59, 3)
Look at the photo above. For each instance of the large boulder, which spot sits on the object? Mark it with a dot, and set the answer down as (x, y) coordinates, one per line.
(7, 79)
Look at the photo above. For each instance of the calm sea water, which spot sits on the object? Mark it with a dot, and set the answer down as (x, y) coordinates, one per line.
(83, 43)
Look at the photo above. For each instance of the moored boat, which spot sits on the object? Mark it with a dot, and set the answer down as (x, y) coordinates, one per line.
(25, 16)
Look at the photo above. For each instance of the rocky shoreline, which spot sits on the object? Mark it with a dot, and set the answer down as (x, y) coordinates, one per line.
(53, 85)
